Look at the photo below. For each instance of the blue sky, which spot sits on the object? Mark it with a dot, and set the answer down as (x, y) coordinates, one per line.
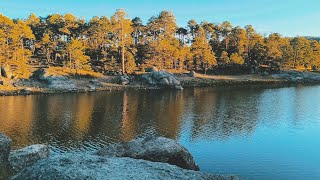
(288, 17)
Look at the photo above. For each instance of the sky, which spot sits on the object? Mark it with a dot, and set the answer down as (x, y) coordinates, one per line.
(287, 17)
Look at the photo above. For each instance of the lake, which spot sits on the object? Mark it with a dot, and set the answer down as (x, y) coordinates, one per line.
(252, 132)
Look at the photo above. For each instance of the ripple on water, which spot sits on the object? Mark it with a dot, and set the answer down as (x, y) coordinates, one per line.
(254, 132)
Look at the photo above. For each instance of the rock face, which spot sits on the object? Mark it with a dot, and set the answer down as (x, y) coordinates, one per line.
(96, 83)
(156, 149)
(192, 74)
(298, 76)
(39, 74)
(85, 166)
(124, 80)
(54, 82)
(27, 156)
(5, 145)
(161, 78)
(61, 83)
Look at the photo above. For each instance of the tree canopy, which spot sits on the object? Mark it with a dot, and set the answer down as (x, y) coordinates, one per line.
(118, 43)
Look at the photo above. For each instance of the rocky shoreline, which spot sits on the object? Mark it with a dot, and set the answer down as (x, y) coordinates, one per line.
(42, 82)
(142, 158)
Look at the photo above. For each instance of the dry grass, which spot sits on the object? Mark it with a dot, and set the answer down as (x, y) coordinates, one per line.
(176, 71)
(217, 80)
(60, 71)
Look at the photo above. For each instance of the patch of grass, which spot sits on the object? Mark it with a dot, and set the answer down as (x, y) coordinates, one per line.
(61, 71)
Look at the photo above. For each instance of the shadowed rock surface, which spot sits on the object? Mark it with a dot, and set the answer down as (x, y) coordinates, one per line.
(27, 156)
(162, 78)
(298, 76)
(53, 82)
(156, 149)
(5, 145)
(86, 166)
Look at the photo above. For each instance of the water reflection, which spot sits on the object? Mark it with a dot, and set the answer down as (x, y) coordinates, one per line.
(220, 113)
(234, 126)
(92, 119)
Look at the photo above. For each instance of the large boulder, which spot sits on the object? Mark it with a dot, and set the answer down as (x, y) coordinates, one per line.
(5, 146)
(156, 149)
(19, 159)
(192, 74)
(61, 83)
(95, 83)
(124, 80)
(39, 74)
(54, 82)
(86, 166)
(162, 78)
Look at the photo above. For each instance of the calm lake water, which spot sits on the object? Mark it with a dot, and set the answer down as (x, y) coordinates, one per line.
(252, 132)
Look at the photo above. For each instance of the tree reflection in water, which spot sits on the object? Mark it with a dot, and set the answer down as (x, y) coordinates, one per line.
(88, 121)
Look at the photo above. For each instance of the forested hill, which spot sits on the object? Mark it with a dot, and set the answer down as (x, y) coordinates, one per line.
(119, 43)
(313, 38)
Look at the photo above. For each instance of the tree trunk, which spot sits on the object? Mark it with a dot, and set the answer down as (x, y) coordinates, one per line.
(122, 34)
(48, 56)
(0, 70)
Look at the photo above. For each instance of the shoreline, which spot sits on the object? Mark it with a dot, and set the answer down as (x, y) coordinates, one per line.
(22, 87)
(156, 155)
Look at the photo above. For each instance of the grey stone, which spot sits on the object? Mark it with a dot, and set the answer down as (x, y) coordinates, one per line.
(61, 83)
(38, 74)
(315, 78)
(162, 78)
(156, 149)
(54, 82)
(19, 159)
(95, 82)
(26, 91)
(5, 146)
(282, 76)
(124, 80)
(149, 79)
(192, 74)
(296, 79)
(86, 166)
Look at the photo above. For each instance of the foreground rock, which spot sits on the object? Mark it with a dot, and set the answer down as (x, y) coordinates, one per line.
(162, 78)
(156, 149)
(85, 166)
(5, 145)
(25, 157)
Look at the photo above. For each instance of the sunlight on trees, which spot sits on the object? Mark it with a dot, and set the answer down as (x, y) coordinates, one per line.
(118, 43)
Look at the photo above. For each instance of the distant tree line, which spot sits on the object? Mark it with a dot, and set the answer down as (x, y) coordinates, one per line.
(122, 44)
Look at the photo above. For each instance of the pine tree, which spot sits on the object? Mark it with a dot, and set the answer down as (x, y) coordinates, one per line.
(202, 51)
(122, 31)
(77, 59)
(236, 59)
(224, 58)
